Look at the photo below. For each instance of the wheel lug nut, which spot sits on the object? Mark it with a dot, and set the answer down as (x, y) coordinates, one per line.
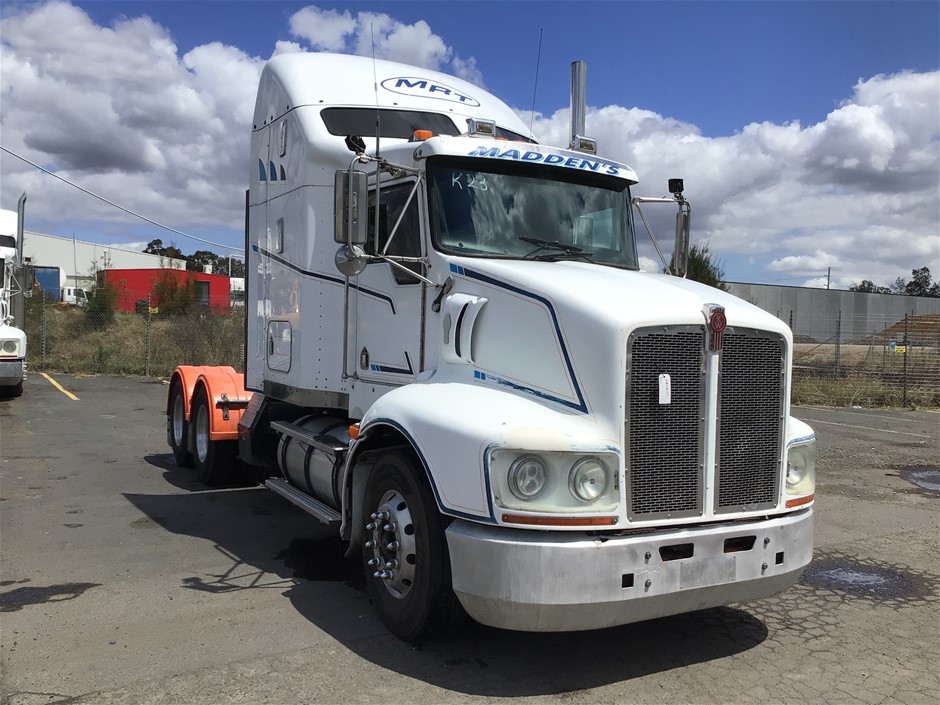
(392, 565)
(370, 543)
(392, 546)
(371, 563)
(370, 527)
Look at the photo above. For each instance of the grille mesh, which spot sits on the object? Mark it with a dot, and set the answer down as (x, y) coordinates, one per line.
(750, 422)
(665, 446)
(665, 466)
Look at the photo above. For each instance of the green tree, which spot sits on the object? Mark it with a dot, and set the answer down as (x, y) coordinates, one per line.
(173, 295)
(200, 258)
(704, 267)
(102, 302)
(171, 251)
(866, 286)
(920, 285)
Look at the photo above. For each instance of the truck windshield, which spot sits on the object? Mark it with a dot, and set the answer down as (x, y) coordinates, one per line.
(486, 208)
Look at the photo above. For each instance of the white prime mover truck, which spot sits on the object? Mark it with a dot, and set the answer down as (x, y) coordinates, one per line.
(453, 358)
(14, 280)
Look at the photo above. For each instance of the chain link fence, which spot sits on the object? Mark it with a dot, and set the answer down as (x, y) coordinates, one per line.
(147, 341)
(897, 363)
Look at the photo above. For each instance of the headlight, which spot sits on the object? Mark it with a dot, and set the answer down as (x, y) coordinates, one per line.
(588, 479)
(9, 346)
(554, 482)
(527, 477)
(801, 468)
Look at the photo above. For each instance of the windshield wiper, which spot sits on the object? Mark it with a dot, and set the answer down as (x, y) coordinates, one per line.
(559, 250)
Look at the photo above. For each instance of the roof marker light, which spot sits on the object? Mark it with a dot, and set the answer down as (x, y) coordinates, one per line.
(482, 128)
(587, 145)
(421, 135)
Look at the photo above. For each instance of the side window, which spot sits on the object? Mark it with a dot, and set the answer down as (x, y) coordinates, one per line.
(407, 238)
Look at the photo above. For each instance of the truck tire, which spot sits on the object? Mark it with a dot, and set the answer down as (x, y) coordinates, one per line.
(214, 460)
(179, 427)
(405, 553)
(13, 391)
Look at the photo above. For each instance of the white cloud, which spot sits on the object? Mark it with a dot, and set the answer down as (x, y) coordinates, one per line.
(802, 263)
(326, 30)
(368, 33)
(121, 111)
(861, 187)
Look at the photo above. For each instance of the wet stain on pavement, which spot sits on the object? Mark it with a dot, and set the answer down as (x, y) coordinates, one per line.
(7, 583)
(855, 577)
(73, 526)
(22, 597)
(926, 479)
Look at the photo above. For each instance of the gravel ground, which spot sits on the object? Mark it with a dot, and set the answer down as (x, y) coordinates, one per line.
(122, 580)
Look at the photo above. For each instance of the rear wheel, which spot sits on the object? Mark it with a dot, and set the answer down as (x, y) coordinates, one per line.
(405, 553)
(179, 427)
(214, 460)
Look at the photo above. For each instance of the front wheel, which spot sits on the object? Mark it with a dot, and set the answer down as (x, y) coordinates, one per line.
(13, 391)
(405, 553)
(214, 460)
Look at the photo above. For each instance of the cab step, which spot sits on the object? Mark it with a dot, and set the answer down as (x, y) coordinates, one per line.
(311, 505)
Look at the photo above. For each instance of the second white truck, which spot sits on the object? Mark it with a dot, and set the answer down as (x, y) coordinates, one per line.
(453, 357)
(13, 279)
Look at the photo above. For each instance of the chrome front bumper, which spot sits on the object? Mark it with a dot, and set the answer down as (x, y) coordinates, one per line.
(554, 581)
(11, 372)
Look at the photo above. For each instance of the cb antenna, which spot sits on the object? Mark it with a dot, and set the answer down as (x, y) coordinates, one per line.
(375, 87)
(538, 60)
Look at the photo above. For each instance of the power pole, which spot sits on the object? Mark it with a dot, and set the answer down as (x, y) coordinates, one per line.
(828, 277)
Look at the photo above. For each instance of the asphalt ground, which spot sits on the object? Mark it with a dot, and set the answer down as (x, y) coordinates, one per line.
(123, 580)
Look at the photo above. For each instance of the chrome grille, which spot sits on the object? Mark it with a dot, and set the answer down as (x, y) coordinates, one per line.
(664, 441)
(750, 421)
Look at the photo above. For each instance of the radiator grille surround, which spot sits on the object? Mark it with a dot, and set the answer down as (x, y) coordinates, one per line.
(666, 443)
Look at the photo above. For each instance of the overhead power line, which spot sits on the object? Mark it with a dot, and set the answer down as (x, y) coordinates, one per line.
(119, 207)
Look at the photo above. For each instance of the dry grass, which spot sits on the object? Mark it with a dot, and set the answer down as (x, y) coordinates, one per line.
(79, 342)
(859, 389)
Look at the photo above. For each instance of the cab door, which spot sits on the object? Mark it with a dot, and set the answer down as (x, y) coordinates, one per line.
(388, 335)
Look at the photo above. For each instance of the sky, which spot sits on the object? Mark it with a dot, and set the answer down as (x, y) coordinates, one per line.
(807, 133)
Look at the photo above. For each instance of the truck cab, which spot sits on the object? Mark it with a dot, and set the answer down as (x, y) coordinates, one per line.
(453, 356)
(12, 339)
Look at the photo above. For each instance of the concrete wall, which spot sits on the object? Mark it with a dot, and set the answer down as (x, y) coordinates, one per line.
(815, 313)
(77, 260)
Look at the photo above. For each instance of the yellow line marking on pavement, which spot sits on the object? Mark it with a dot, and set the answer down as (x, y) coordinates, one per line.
(58, 386)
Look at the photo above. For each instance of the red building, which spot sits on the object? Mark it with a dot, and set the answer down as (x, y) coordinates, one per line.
(132, 287)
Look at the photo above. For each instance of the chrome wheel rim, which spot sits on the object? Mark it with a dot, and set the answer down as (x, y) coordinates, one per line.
(178, 418)
(393, 545)
(202, 434)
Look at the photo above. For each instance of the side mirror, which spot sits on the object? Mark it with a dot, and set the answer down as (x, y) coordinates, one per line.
(350, 206)
(681, 252)
(350, 260)
(28, 278)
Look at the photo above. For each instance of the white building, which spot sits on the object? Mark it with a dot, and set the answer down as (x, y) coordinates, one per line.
(78, 260)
